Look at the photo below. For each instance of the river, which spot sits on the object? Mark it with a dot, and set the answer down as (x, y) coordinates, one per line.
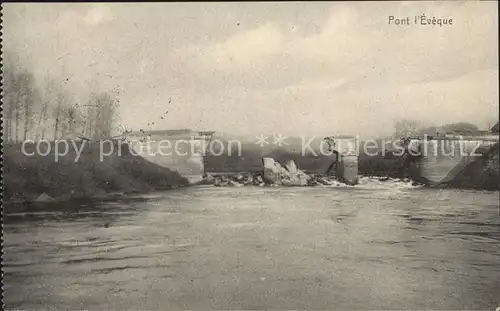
(373, 246)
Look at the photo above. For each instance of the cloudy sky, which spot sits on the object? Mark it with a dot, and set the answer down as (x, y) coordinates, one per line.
(293, 68)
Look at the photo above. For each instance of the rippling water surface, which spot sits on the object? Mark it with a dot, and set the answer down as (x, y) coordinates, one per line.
(373, 246)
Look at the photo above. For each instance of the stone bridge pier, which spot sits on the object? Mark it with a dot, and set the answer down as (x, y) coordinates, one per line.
(179, 150)
(346, 149)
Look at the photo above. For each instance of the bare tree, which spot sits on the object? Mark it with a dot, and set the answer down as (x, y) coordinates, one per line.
(17, 89)
(28, 96)
(9, 102)
(19, 100)
(406, 128)
(29, 110)
(89, 119)
(58, 113)
(101, 115)
(104, 116)
(69, 120)
(48, 98)
(10, 92)
(71, 115)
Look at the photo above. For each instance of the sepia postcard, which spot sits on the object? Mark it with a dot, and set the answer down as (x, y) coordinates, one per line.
(329, 155)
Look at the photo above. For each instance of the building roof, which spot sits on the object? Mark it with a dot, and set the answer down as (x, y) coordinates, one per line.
(160, 132)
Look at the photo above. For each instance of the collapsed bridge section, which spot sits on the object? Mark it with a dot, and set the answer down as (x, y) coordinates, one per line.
(195, 154)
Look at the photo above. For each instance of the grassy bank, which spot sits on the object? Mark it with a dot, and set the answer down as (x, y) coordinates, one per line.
(27, 177)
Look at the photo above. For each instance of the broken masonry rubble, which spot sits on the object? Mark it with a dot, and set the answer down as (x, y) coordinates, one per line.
(273, 174)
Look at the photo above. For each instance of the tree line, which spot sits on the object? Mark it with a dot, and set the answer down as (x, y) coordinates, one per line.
(47, 110)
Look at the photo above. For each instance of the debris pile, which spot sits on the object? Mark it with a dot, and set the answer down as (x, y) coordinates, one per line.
(237, 180)
(288, 175)
(273, 174)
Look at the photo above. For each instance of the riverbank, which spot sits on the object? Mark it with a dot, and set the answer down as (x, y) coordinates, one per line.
(30, 178)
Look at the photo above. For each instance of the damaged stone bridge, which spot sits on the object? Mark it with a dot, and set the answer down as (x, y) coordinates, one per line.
(335, 156)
